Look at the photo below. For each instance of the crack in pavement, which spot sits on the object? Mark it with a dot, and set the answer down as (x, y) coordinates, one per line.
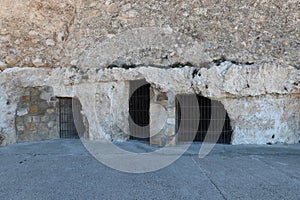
(210, 180)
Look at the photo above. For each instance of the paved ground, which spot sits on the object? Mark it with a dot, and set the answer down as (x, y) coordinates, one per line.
(63, 169)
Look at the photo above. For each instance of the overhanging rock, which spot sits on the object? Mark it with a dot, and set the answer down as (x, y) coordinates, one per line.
(262, 101)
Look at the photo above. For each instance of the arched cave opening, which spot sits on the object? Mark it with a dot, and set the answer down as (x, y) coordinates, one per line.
(203, 120)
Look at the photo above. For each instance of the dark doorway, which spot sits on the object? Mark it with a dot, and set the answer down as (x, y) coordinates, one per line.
(67, 125)
(139, 105)
(203, 120)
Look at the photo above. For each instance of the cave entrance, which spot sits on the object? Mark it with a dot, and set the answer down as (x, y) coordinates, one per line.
(203, 120)
(70, 118)
(139, 106)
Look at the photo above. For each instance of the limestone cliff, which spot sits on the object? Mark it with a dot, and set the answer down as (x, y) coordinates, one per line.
(54, 33)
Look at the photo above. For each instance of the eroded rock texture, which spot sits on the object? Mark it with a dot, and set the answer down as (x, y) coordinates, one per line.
(56, 33)
(33, 33)
(245, 55)
(261, 109)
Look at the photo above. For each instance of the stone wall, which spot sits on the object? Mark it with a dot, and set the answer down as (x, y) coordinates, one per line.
(162, 118)
(37, 115)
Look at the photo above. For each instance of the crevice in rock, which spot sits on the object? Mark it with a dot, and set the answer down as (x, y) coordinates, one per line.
(195, 73)
(223, 59)
(216, 62)
(123, 66)
(180, 65)
(130, 66)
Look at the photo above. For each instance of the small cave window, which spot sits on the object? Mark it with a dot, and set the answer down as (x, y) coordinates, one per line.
(70, 118)
(201, 121)
(139, 106)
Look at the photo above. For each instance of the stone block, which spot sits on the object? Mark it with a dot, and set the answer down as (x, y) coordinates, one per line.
(50, 124)
(20, 128)
(42, 107)
(25, 98)
(22, 111)
(53, 117)
(54, 132)
(28, 136)
(33, 109)
(45, 96)
(36, 119)
(35, 92)
(27, 119)
(170, 131)
(30, 126)
(45, 118)
(43, 128)
(24, 104)
(43, 136)
(21, 136)
(19, 121)
(50, 110)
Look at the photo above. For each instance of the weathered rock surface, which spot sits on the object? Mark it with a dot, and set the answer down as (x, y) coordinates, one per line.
(61, 32)
(230, 80)
(145, 46)
(263, 105)
(244, 55)
(265, 119)
(33, 32)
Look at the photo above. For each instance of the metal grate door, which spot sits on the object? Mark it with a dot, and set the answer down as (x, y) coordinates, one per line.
(139, 105)
(67, 125)
(202, 120)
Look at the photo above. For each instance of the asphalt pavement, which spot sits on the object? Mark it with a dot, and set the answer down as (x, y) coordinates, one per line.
(64, 169)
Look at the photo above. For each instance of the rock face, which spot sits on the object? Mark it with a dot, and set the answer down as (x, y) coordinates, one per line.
(244, 55)
(265, 119)
(59, 32)
(261, 109)
(33, 33)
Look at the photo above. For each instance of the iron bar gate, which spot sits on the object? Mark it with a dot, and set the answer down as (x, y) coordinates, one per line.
(139, 105)
(66, 119)
(204, 106)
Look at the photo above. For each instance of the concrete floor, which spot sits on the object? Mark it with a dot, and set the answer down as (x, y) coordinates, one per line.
(63, 169)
